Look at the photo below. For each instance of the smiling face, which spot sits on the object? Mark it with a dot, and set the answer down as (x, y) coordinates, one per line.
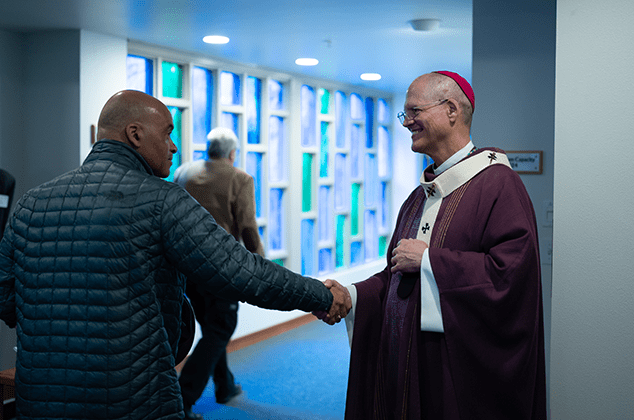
(155, 144)
(428, 125)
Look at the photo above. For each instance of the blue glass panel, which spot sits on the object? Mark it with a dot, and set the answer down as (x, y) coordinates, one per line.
(370, 238)
(340, 118)
(277, 149)
(341, 182)
(383, 112)
(276, 219)
(325, 260)
(254, 90)
(308, 247)
(339, 242)
(309, 117)
(383, 151)
(177, 118)
(427, 161)
(370, 179)
(369, 123)
(199, 155)
(276, 95)
(202, 96)
(325, 214)
(356, 107)
(254, 168)
(384, 206)
(231, 120)
(356, 256)
(355, 156)
(323, 154)
(140, 74)
(229, 88)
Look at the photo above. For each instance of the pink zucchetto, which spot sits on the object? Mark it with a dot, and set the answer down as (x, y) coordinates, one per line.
(464, 85)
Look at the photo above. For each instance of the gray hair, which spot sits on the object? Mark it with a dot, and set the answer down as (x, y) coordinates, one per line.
(221, 141)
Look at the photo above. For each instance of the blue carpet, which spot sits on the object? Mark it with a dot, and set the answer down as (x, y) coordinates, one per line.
(298, 375)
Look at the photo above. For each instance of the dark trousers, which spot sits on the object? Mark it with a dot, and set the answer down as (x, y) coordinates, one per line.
(218, 319)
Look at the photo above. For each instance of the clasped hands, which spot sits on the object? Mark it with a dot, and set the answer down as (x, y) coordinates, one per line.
(341, 303)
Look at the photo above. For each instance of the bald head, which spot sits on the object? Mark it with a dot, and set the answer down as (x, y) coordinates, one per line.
(124, 108)
(438, 86)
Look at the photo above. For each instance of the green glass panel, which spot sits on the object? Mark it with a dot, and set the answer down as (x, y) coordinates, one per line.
(382, 246)
(172, 80)
(339, 255)
(177, 119)
(279, 261)
(324, 99)
(307, 182)
(323, 155)
(354, 211)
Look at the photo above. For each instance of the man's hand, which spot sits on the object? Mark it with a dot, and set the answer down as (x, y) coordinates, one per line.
(407, 255)
(341, 303)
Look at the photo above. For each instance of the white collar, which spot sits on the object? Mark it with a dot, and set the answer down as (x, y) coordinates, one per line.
(455, 158)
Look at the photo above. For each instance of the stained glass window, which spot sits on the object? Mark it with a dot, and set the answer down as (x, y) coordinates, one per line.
(177, 135)
(356, 256)
(276, 95)
(356, 107)
(325, 214)
(276, 219)
(172, 80)
(356, 143)
(277, 150)
(341, 182)
(140, 74)
(369, 123)
(307, 182)
(340, 241)
(324, 100)
(325, 260)
(340, 119)
(202, 96)
(371, 242)
(323, 153)
(308, 247)
(383, 152)
(370, 182)
(229, 88)
(309, 118)
(383, 112)
(354, 212)
(254, 92)
(254, 168)
(382, 246)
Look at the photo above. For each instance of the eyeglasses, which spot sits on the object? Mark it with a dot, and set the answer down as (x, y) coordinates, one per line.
(410, 115)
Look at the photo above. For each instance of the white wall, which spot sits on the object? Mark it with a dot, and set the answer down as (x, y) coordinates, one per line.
(102, 74)
(592, 363)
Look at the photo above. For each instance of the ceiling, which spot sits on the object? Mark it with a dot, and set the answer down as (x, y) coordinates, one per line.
(348, 37)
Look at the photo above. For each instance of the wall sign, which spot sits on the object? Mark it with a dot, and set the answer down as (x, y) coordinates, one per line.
(526, 162)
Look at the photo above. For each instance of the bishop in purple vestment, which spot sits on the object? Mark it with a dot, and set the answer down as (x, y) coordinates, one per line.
(483, 357)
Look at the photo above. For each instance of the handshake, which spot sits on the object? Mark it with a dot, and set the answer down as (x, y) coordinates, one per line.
(341, 303)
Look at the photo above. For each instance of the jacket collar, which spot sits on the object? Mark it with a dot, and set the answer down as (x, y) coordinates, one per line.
(121, 153)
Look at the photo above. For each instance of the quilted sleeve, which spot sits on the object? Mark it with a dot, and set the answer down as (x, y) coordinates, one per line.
(213, 259)
(7, 279)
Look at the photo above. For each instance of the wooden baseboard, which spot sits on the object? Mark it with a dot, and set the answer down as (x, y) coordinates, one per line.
(256, 337)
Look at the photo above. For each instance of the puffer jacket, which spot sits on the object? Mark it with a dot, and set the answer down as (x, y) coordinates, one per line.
(92, 269)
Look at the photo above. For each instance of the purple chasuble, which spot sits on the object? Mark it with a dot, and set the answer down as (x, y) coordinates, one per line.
(489, 363)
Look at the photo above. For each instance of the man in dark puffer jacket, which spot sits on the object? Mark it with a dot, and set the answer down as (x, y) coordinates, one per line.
(92, 274)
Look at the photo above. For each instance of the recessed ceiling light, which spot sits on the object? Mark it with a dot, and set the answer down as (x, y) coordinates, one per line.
(425, 25)
(216, 39)
(370, 76)
(306, 61)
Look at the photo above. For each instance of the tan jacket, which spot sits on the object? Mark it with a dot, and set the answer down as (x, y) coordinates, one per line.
(228, 194)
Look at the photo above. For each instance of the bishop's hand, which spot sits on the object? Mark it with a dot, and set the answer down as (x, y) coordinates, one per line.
(407, 255)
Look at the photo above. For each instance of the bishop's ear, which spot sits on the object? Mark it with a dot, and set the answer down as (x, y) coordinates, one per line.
(452, 109)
